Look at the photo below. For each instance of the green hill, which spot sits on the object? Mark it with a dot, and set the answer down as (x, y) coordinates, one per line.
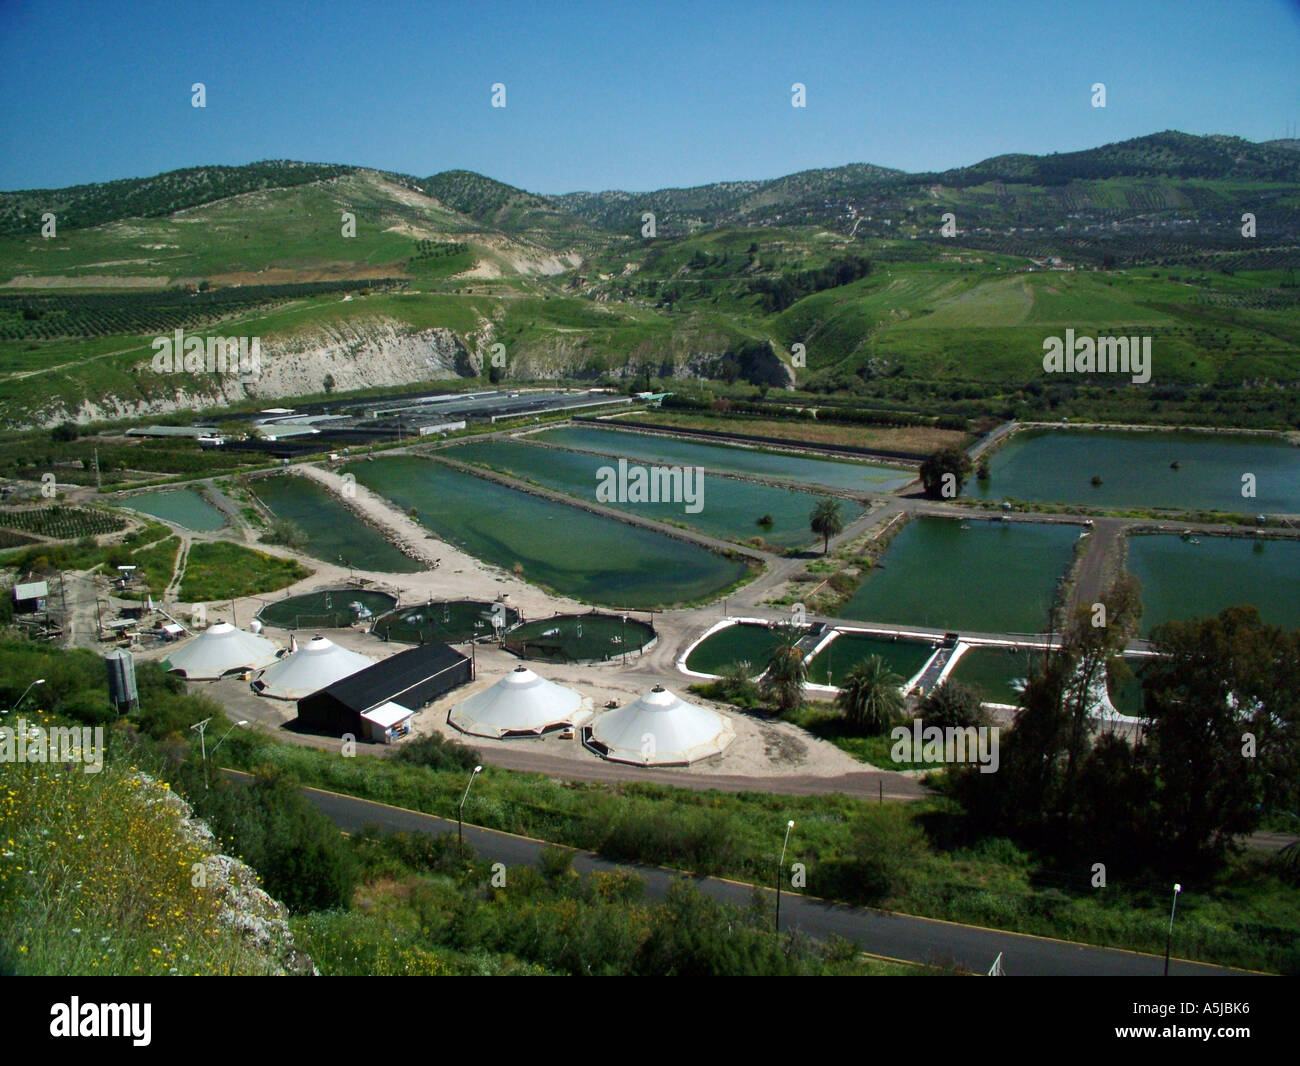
(92, 205)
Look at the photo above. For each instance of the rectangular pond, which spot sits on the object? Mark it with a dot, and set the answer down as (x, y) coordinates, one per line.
(182, 507)
(743, 642)
(904, 657)
(1199, 577)
(592, 558)
(998, 673)
(334, 534)
(831, 473)
(990, 577)
(729, 508)
(1136, 470)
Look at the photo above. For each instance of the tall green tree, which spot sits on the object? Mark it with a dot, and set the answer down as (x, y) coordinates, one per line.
(1224, 735)
(944, 473)
(871, 696)
(826, 521)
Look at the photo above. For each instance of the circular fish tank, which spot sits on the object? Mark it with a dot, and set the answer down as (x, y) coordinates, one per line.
(444, 621)
(327, 609)
(580, 638)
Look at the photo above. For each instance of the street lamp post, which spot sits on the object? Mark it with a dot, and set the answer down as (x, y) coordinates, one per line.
(1170, 935)
(38, 681)
(460, 811)
(203, 743)
(780, 873)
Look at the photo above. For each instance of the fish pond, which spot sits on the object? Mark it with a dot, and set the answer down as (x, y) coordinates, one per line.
(182, 507)
(747, 642)
(589, 557)
(723, 507)
(990, 577)
(1135, 469)
(334, 534)
(1197, 577)
(904, 657)
(785, 466)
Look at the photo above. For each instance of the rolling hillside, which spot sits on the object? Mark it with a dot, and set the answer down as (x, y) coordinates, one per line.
(850, 262)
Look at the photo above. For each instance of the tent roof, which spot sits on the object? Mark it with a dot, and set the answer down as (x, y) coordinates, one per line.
(520, 702)
(314, 666)
(661, 729)
(219, 650)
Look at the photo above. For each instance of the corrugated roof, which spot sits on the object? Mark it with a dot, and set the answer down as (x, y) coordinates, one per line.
(32, 591)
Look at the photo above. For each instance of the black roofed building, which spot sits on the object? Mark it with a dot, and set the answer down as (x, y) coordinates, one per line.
(363, 703)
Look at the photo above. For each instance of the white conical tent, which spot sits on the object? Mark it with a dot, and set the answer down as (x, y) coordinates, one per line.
(661, 729)
(313, 666)
(521, 702)
(219, 650)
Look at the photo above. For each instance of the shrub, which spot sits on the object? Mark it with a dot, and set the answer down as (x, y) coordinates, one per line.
(436, 752)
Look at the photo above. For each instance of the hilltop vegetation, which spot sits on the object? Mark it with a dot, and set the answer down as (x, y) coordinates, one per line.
(80, 206)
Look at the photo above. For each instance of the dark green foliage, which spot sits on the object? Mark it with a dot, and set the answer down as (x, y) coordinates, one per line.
(299, 853)
(1225, 679)
(953, 704)
(96, 314)
(693, 840)
(694, 936)
(786, 672)
(870, 697)
(436, 752)
(776, 294)
(935, 472)
(875, 866)
(1174, 801)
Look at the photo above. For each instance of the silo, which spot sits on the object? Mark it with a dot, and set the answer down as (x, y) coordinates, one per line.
(121, 680)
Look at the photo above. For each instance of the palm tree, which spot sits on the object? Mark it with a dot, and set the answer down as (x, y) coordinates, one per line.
(786, 673)
(826, 520)
(871, 696)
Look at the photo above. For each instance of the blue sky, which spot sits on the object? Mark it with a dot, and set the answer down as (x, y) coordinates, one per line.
(612, 95)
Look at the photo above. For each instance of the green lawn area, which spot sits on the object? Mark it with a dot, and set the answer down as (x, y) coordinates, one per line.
(218, 570)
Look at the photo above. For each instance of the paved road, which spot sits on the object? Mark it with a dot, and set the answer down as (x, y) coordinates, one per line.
(894, 936)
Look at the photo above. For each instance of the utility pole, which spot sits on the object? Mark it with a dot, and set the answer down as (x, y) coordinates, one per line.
(99, 485)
